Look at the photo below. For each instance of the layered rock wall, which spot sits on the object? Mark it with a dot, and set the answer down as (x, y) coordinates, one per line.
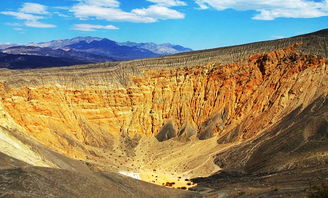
(235, 101)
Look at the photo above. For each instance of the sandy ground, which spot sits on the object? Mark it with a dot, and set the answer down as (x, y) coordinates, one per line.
(173, 163)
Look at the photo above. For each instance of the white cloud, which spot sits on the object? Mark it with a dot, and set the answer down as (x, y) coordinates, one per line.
(168, 3)
(202, 4)
(109, 10)
(278, 37)
(90, 27)
(107, 13)
(159, 12)
(13, 24)
(289, 13)
(34, 8)
(61, 14)
(22, 16)
(18, 29)
(38, 24)
(272, 9)
(28, 14)
(66, 8)
(104, 3)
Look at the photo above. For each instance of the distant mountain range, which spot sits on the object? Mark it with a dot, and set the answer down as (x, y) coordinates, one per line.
(12, 61)
(80, 50)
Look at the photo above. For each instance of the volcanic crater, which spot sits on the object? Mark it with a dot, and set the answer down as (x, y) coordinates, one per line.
(248, 120)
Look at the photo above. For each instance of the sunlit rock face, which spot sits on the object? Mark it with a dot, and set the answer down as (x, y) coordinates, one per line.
(212, 99)
(119, 116)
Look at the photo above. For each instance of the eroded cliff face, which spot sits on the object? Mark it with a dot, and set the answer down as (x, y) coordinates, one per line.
(233, 102)
(168, 122)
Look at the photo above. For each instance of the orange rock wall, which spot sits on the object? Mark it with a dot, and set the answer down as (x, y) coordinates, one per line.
(256, 94)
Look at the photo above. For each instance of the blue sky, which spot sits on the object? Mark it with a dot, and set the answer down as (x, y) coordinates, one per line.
(198, 24)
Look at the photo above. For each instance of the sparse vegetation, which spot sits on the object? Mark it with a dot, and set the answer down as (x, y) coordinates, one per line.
(240, 193)
(319, 191)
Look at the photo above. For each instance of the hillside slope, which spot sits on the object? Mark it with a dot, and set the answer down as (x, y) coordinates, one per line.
(22, 180)
(250, 111)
